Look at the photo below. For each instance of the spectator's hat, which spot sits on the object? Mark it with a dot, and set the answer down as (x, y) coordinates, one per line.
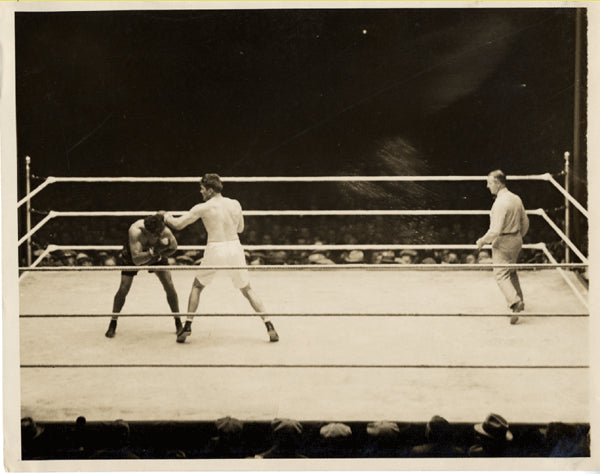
(68, 253)
(388, 256)
(410, 252)
(277, 257)
(83, 257)
(30, 430)
(191, 257)
(319, 259)
(229, 426)
(429, 260)
(258, 253)
(354, 256)
(54, 261)
(121, 429)
(483, 256)
(110, 261)
(286, 426)
(184, 260)
(494, 427)
(437, 429)
(335, 431)
(383, 429)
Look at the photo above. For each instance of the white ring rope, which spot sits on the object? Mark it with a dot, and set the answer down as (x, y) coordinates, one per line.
(38, 260)
(571, 199)
(42, 256)
(47, 181)
(563, 236)
(37, 227)
(565, 278)
(267, 179)
(300, 212)
(349, 266)
(289, 179)
(538, 246)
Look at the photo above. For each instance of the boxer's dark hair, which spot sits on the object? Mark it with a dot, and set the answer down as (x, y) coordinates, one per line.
(212, 181)
(154, 223)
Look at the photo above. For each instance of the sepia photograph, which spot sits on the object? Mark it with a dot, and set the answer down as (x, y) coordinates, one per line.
(297, 236)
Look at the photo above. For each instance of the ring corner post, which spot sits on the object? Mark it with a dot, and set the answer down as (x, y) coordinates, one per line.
(567, 156)
(28, 206)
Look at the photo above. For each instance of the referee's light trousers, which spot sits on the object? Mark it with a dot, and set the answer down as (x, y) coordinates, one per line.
(505, 249)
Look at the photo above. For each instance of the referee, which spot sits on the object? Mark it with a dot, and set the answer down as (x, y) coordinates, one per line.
(508, 226)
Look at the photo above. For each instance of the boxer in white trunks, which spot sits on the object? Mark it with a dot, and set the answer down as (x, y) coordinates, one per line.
(222, 217)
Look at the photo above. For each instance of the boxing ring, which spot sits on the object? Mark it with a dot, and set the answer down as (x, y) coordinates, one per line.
(358, 342)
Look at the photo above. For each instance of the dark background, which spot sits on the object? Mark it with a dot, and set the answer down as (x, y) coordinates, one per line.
(295, 92)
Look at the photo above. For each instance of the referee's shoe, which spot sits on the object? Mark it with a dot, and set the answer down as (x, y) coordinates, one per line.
(516, 308)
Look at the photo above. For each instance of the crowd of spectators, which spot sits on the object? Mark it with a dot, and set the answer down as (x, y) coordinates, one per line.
(231, 438)
(270, 231)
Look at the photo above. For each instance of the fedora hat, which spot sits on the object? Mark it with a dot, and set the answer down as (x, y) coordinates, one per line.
(30, 430)
(184, 259)
(354, 256)
(286, 425)
(411, 252)
(81, 256)
(388, 256)
(438, 429)
(229, 425)
(335, 430)
(494, 427)
(383, 429)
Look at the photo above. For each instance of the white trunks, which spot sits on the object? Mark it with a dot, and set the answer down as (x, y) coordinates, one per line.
(229, 253)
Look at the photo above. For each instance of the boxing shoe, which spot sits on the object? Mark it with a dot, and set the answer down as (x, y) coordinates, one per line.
(112, 328)
(273, 336)
(178, 325)
(184, 332)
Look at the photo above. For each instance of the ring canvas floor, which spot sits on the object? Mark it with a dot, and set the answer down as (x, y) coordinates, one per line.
(398, 368)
